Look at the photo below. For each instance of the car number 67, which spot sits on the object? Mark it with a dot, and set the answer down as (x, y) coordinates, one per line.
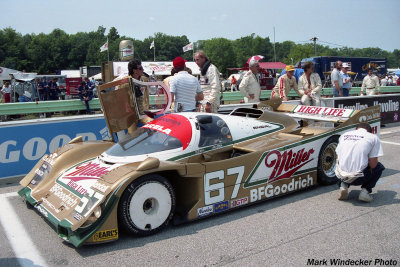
(220, 187)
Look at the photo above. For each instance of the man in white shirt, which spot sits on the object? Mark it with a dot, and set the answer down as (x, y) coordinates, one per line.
(370, 83)
(250, 85)
(395, 78)
(384, 80)
(185, 88)
(358, 164)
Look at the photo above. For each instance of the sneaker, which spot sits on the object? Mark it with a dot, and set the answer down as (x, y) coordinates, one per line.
(365, 196)
(343, 191)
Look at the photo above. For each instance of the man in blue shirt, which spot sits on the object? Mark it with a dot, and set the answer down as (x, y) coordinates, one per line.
(346, 79)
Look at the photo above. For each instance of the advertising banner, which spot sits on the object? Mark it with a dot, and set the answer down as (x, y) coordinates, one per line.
(390, 105)
(22, 144)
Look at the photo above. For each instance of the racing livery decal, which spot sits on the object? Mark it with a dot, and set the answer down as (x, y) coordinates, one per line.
(281, 187)
(204, 211)
(173, 125)
(221, 206)
(105, 235)
(276, 165)
(81, 177)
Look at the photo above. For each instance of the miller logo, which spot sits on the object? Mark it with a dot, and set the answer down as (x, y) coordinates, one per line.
(284, 165)
(276, 165)
(89, 171)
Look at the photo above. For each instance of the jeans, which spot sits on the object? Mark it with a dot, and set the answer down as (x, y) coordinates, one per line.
(345, 91)
(370, 178)
(335, 92)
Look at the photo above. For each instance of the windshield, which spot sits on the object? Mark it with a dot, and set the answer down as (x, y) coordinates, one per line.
(144, 141)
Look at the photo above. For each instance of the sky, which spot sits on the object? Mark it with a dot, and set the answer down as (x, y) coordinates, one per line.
(351, 23)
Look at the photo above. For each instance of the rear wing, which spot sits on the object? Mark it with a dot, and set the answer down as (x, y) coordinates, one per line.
(121, 106)
(327, 114)
(340, 117)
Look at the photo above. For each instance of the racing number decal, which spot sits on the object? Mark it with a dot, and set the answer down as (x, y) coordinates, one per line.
(208, 199)
(240, 171)
(220, 186)
(82, 206)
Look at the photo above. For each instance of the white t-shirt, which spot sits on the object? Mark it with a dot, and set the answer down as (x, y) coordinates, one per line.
(6, 90)
(185, 87)
(355, 148)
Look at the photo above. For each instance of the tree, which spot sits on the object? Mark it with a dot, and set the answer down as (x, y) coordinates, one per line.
(220, 52)
(112, 34)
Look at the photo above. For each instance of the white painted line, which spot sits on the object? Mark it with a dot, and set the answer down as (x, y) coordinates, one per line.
(24, 249)
(390, 143)
(383, 133)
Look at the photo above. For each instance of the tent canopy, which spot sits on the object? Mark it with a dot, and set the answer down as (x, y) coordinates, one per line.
(23, 76)
(5, 73)
(160, 68)
(264, 65)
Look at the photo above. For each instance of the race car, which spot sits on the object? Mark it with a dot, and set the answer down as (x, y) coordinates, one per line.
(182, 167)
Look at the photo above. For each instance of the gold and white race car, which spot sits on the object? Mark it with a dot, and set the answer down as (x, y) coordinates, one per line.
(183, 166)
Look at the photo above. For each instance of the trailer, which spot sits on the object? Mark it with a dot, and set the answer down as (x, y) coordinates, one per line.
(359, 65)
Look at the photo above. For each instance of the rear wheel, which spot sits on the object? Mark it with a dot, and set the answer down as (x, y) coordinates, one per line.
(147, 205)
(327, 161)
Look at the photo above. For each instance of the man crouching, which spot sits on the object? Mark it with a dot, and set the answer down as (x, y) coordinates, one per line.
(357, 164)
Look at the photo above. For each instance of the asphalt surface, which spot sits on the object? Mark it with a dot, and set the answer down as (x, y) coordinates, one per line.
(305, 228)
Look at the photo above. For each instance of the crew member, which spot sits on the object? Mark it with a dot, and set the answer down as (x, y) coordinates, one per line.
(209, 81)
(286, 82)
(250, 85)
(370, 83)
(53, 89)
(357, 162)
(85, 95)
(185, 88)
(337, 79)
(310, 85)
(346, 79)
(233, 83)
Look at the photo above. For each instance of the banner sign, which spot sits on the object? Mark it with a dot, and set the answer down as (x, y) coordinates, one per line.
(23, 144)
(390, 105)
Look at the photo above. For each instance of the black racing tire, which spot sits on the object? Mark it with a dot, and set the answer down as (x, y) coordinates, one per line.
(327, 162)
(147, 205)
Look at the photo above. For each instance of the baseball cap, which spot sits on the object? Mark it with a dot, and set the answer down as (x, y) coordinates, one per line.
(289, 68)
(178, 63)
(345, 65)
(253, 62)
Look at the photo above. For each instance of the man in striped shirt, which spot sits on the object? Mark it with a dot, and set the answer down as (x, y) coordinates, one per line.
(284, 84)
(185, 88)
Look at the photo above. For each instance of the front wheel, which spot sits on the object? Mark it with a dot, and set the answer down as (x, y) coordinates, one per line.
(327, 162)
(147, 205)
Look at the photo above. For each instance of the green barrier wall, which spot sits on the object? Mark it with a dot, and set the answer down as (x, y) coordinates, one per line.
(76, 104)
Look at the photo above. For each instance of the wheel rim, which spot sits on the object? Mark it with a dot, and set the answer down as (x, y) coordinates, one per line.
(329, 160)
(150, 206)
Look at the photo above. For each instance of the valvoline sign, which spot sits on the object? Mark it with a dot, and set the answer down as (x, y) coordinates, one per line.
(22, 145)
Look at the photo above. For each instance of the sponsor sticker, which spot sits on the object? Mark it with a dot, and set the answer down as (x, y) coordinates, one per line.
(105, 235)
(270, 190)
(204, 211)
(239, 202)
(279, 165)
(78, 217)
(218, 207)
(324, 111)
(68, 199)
